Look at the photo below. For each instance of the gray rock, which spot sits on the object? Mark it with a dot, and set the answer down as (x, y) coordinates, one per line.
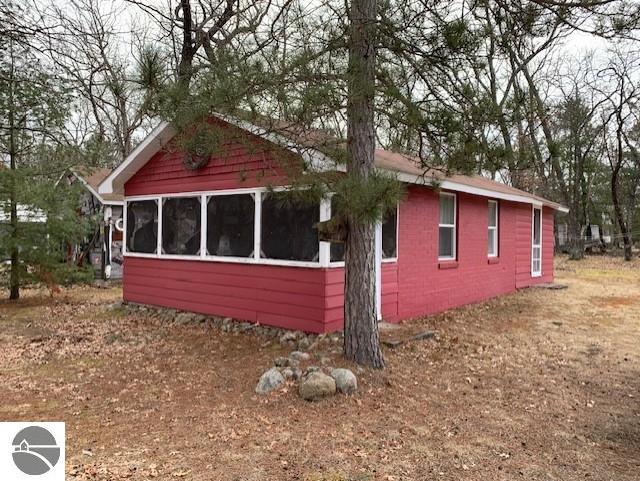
(300, 356)
(346, 381)
(270, 380)
(423, 335)
(189, 318)
(317, 386)
(288, 337)
(288, 373)
(281, 362)
(305, 343)
(311, 369)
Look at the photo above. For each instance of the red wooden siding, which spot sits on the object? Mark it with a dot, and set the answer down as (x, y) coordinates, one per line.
(244, 161)
(290, 297)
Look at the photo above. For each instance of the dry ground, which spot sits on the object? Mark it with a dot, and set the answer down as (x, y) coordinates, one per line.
(539, 385)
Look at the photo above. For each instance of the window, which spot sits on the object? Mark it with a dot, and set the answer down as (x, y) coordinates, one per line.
(389, 237)
(447, 227)
(536, 244)
(288, 231)
(181, 226)
(230, 225)
(142, 226)
(492, 239)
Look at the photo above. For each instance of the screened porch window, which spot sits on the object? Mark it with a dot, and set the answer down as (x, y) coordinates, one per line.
(447, 227)
(142, 226)
(389, 237)
(492, 239)
(230, 225)
(181, 225)
(287, 231)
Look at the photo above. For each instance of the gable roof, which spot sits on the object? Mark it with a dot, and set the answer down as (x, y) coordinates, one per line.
(92, 178)
(406, 168)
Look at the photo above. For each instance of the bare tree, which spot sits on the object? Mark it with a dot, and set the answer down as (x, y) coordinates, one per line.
(622, 114)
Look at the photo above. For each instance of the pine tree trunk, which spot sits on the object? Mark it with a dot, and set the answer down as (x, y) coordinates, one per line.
(361, 340)
(14, 273)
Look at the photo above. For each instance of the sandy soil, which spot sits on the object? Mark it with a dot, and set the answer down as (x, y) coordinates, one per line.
(538, 385)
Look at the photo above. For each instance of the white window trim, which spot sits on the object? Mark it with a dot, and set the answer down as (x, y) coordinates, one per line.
(454, 225)
(533, 220)
(496, 229)
(257, 192)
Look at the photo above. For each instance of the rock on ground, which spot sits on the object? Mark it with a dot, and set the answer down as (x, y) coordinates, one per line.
(269, 381)
(346, 381)
(300, 356)
(317, 385)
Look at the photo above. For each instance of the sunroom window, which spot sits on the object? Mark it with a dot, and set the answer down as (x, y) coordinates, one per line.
(181, 225)
(230, 225)
(142, 226)
(447, 227)
(288, 232)
(389, 237)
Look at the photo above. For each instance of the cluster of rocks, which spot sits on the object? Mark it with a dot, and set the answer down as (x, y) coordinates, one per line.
(287, 338)
(314, 382)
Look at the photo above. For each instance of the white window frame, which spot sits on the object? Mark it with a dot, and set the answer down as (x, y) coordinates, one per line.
(454, 225)
(535, 273)
(323, 260)
(495, 229)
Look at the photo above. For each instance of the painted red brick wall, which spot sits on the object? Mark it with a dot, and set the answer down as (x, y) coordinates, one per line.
(425, 285)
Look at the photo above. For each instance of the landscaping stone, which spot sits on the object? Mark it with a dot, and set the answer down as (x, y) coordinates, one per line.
(270, 380)
(300, 356)
(346, 381)
(316, 386)
(189, 318)
(423, 335)
(281, 361)
(311, 369)
(288, 337)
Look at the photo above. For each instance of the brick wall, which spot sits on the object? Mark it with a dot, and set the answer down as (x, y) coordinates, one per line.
(426, 285)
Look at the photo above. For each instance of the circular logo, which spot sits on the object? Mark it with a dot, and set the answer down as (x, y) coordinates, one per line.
(35, 450)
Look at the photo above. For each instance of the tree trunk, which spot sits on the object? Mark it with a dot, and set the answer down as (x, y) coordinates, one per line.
(615, 195)
(361, 339)
(14, 273)
(574, 235)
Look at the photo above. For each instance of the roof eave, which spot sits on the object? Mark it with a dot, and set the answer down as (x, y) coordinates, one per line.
(468, 189)
(157, 138)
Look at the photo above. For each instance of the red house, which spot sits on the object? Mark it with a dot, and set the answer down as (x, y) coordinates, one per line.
(213, 240)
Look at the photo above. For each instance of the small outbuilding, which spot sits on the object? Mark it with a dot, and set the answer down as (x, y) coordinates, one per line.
(215, 240)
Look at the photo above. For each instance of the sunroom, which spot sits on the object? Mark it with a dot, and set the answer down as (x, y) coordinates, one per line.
(251, 226)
